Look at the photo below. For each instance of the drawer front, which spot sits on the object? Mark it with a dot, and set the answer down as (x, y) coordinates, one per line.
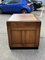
(23, 25)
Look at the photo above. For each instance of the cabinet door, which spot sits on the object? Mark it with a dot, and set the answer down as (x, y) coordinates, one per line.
(30, 36)
(24, 37)
(16, 36)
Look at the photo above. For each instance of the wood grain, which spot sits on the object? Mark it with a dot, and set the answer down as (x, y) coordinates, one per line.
(23, 31)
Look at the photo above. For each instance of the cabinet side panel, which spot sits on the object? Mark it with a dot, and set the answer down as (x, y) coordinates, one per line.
(38, 34)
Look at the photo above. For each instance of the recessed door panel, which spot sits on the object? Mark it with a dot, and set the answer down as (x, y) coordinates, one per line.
(16, 36)
(30, 36)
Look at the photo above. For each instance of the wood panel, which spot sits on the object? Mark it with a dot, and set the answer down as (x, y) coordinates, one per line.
(30, 36)
(23, 37)
(23, 24)
(16, 36)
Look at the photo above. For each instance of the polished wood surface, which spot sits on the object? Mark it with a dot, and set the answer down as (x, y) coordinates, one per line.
(22, 18)
(23, 31)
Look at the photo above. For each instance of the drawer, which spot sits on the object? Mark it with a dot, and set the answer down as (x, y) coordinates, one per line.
(23, 26)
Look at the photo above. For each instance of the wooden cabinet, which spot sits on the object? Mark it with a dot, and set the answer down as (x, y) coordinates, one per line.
(23, 31)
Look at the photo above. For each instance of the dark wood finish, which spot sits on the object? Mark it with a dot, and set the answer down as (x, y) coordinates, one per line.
(23, 31)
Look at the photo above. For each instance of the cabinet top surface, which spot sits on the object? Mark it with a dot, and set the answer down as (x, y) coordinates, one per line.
(23, 18)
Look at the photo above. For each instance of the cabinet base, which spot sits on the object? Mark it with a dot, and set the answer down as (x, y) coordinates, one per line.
(24, 48)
